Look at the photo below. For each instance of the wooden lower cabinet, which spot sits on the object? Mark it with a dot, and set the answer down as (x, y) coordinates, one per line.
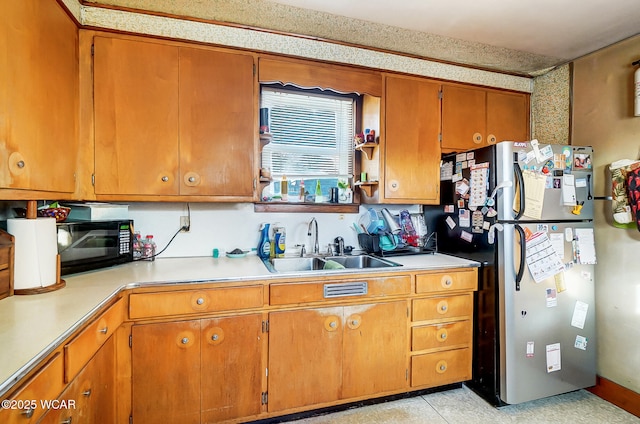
(91, 396)
(322, 355)
(207, 370)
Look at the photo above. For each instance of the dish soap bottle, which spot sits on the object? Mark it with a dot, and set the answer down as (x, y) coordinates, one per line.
(318, 192)
(284, 189)
(264, 245)
(280, 245)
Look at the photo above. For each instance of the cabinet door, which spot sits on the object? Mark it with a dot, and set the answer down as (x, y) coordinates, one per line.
(39, 96)
(305, 357)
(166, 372)
(136, 117)
(507, 116)
(411, 145)
(232, 367)
(91, 397)
(463, 118)
(217, 134)
(375, 349)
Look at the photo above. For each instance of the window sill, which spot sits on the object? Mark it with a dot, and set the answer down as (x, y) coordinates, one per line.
(306, 207)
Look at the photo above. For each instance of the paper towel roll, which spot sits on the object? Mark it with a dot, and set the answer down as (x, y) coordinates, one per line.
(36, 248)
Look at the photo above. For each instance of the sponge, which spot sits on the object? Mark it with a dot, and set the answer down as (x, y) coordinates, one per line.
(330, 264)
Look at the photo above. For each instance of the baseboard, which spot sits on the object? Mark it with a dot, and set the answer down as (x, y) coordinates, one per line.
(617, 394)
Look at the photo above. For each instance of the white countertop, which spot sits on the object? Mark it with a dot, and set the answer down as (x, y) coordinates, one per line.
(32, 326)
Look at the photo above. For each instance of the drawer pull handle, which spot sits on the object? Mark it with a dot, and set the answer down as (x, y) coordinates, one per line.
(200, 301)
(87, 393)
(184, 340)
(105, 330)
(442, 307)
(28, 413)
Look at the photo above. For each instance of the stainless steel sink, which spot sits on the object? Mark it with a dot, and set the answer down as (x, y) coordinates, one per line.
(318, 263)
(294, 264)
(362, 261)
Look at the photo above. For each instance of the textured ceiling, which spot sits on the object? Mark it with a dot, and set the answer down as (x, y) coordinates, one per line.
(518, 36)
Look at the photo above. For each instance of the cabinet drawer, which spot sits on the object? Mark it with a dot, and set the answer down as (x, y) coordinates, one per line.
(441, 336)
(443, 282)
(443, 308)
(45, 385)
(86, 344)
(440, 368)
(5, 256)
(144, 305)
(5, 283)
(288, 293)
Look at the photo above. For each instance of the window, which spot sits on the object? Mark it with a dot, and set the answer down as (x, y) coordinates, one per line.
(312, 138)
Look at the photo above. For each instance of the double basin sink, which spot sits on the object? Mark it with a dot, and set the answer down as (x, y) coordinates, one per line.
(317, 263)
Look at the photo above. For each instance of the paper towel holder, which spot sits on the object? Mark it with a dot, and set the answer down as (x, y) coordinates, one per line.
(32, 213)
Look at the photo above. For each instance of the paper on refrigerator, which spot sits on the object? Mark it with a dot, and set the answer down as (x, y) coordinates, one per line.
(542, 259)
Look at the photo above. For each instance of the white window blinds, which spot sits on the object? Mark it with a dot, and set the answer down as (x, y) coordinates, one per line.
(312, 133)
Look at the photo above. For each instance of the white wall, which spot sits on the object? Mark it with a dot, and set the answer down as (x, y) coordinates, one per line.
(603, 117)
(227, 226)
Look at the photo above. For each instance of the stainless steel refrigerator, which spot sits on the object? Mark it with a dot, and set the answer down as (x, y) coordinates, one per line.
(525, 212)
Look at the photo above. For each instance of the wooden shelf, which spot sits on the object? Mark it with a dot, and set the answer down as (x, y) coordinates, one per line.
(306, 207)
(367, 187)
(367, 149)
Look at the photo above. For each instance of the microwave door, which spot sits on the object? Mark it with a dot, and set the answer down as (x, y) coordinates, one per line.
(94, 244)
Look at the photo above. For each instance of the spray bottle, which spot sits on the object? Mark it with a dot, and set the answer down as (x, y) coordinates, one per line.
(264, 245)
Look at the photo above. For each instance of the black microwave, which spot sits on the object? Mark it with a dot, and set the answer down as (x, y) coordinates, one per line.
(89, 245)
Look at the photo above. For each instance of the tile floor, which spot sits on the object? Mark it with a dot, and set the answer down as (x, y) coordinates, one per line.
(459, 406)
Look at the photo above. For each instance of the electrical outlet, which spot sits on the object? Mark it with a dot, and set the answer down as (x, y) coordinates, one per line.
(185, 224)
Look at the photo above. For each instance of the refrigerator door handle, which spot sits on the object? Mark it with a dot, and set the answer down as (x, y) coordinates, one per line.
(520, 186)
(523, 256)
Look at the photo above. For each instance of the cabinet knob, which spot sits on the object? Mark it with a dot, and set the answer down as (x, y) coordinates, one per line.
(20, 164)
(200, 301)
(192, 179)
(185, 340)
(165, 179)
(215, 337)
(67, 421)
(477, 138)
(87, 393)
(105, 330)
(355, 322)
(332, 324)
(441, 366)
(443, 336)
(443, 306)
(28, 413)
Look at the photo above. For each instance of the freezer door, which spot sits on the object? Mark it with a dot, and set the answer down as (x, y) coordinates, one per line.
(547, 329)
(566, 181)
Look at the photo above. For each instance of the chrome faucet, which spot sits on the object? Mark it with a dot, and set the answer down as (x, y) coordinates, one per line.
(316, 246)
(339, 243)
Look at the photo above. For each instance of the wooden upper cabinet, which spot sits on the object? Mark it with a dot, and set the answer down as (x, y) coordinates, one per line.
(507, 116)
(307, 74)
(411, 141)
(217, 134)
(173, 121)
(475, 117)
(136, 117)
(39, 97)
